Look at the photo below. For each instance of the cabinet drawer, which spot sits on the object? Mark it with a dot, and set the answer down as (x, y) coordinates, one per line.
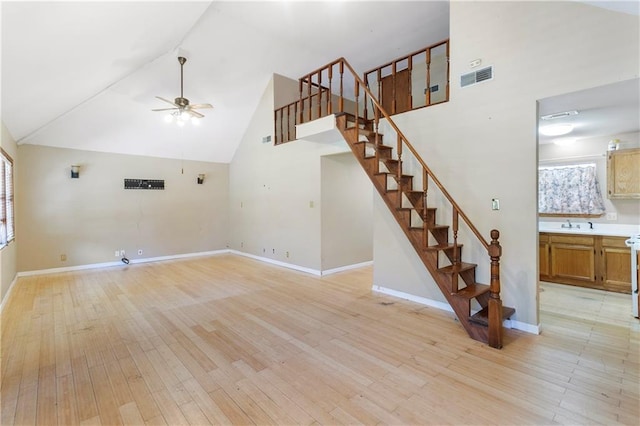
(582, 240)
(614, 242)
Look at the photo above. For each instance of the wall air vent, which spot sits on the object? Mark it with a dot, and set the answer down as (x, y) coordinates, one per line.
(476, 77)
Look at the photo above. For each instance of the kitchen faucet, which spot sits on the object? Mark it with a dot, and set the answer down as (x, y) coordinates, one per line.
(567, 225)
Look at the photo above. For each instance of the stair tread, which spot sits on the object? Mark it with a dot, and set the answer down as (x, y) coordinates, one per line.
(462, 266)
(482, 316)
(437, 226)
(441, 247)
(381, 146)
(471, 291)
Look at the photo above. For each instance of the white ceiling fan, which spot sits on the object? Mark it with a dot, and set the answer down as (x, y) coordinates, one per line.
(182, 110)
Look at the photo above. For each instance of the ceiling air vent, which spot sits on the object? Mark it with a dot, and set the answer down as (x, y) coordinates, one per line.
(476, 77)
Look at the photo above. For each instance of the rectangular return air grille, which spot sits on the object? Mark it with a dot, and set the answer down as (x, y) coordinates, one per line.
(144, 184)
(476, 77)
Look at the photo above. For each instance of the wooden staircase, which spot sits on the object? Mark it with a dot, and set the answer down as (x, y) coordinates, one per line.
(456, 279)
(403, 181)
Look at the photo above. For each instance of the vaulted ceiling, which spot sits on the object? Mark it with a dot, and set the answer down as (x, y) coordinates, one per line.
(84, 75)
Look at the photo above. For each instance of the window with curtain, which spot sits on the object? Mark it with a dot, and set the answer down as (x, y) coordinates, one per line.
(572, 189)
(6, 197)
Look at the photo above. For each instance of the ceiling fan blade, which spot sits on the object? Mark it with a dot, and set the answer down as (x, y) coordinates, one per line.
(200, 106)
(168, 101)
(194, 113)
(163, 109)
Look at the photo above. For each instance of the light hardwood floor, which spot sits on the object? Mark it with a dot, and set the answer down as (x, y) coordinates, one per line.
(227, 339)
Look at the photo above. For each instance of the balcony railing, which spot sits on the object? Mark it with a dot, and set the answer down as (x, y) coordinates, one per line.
(414, 81)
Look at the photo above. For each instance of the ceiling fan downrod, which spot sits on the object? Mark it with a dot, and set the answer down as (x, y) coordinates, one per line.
(182, 101)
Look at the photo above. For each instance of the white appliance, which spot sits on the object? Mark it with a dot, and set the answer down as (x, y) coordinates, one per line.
(634, 244)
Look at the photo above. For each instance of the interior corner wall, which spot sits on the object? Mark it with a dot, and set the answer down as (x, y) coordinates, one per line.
(482, 143)
(347, 212)
(87, 219)
(276, 201)
(9, 253)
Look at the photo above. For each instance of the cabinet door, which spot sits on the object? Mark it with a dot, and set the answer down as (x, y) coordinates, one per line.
(623, 173)
(544, 259)
(616, 265)
(574, 264)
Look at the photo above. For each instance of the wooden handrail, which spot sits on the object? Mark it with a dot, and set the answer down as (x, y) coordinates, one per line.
(416, 156)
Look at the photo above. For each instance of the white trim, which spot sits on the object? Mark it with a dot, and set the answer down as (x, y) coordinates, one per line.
(278, 263)
(347, 268)
(418, 299)
(8, 293)
(315, 272)
(523, 326)
(508, 323)
(119, 263)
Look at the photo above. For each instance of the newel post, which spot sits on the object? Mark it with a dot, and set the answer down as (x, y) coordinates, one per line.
(495, 304)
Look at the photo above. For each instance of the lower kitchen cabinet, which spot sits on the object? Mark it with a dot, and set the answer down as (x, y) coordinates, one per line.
(592, 261)
(615, 265)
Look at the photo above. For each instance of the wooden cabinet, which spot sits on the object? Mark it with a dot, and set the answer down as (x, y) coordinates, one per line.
(545, 261)
(623, 173)
(573, 259)
(615, 264)
(592, 261)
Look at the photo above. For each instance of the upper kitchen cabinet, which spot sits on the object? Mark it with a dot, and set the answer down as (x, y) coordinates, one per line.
(623, 174)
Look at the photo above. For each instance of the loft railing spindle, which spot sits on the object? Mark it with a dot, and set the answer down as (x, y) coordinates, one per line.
(456, 259)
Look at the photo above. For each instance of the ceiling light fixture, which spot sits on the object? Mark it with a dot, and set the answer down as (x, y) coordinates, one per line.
(558, 115)
(556, 129)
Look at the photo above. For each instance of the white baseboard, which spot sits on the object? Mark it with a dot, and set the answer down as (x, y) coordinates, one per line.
(119, 263)
(315, 272)
(346, 268)
(278, 263)
(412, 297)
(8, 293)
(516, 325)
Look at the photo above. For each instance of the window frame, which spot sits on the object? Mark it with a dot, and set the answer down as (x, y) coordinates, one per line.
(7, 197)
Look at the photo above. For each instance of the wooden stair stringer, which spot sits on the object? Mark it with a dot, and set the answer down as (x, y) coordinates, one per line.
(460, 304)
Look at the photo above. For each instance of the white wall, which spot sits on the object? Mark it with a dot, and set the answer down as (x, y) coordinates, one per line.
(8, 254)
(277, 205)
(593, 150)
(88, 218)
(482, 144)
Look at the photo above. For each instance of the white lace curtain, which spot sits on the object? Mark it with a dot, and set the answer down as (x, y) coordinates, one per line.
(570, 189)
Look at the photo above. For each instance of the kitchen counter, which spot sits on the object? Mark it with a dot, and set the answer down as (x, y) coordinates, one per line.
(606, 229)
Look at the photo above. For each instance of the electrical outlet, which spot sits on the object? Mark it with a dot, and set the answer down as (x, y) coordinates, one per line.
(63, 257)
(495, 204)
(139, 252)
(122, 253)
(612, 216)
(287, 254)
(117, 253)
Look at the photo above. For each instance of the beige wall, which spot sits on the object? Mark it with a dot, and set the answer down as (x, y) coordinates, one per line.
(8, 254)
(276, 202)
(482, 144)
(347, 212)
(87, 219)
